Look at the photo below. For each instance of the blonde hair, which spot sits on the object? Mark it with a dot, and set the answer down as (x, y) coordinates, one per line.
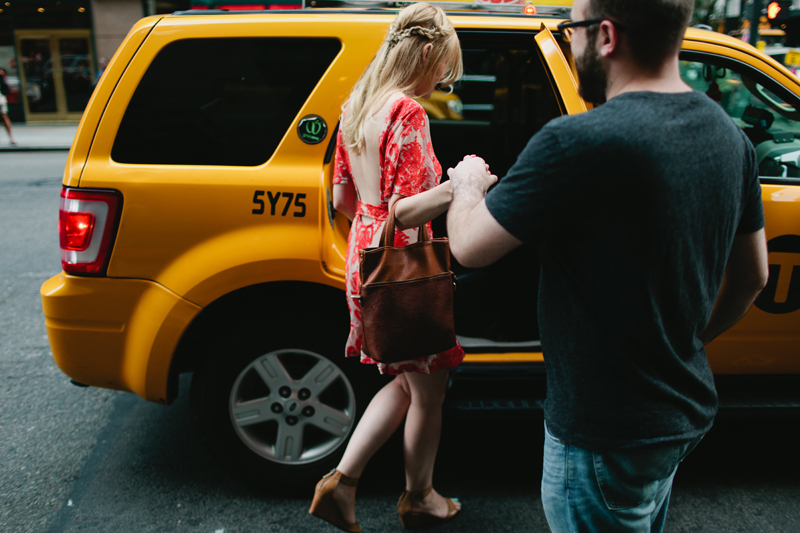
(398, 65)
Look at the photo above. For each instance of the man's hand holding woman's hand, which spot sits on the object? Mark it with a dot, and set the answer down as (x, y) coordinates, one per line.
(471, 174)
(476, 238)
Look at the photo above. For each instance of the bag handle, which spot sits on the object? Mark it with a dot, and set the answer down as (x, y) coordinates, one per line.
(387, 237)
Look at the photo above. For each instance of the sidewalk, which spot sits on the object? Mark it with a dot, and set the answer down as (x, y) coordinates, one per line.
(35, 137)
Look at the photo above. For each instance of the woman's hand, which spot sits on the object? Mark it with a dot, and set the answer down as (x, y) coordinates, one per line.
(472, 174)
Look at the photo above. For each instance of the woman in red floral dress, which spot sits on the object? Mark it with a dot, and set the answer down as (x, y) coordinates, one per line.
(384, 156)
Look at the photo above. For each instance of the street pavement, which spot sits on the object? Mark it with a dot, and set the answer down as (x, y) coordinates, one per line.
(38, 137)
(46, 429)
(93, 460)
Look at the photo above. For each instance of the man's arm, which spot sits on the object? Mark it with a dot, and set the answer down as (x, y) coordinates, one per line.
(476, 238)
(745, 277)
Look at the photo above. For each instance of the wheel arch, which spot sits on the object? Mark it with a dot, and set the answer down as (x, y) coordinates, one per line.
(272, 306)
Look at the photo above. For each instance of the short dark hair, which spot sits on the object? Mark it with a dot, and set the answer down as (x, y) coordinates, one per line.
(654, 28)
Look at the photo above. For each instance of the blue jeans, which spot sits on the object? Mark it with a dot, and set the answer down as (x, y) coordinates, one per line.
(622, 490)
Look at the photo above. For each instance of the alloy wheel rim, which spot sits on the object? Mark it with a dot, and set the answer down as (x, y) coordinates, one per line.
(292, 406)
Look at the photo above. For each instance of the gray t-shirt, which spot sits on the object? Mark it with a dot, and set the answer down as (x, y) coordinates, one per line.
(634, 205)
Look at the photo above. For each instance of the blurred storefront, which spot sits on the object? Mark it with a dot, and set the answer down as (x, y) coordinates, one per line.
(53, 51)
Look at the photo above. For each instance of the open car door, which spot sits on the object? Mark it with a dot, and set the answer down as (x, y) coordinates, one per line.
(561, 74)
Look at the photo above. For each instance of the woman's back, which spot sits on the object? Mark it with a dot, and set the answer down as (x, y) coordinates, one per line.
(397, 156)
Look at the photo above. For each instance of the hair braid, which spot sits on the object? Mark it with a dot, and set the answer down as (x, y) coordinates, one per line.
(394, 36)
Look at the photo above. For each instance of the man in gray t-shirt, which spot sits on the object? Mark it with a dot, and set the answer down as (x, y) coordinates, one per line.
(640, 207)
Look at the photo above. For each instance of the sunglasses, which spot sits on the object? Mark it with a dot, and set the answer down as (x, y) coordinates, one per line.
(568, 28)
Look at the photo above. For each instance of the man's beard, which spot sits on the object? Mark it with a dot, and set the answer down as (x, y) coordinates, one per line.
(592, 78)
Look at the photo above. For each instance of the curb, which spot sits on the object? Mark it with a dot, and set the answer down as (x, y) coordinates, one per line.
(34, 148)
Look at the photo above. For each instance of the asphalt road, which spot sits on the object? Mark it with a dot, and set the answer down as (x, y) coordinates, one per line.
(75, 459)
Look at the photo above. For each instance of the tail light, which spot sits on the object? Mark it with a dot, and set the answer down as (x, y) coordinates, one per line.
(87, 224)
(529, 9)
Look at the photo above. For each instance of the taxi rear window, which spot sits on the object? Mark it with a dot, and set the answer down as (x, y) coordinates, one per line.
(220, 101)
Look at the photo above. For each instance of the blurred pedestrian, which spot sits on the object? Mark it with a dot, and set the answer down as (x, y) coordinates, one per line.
(5, 90)
(641, 208)
(102, 63)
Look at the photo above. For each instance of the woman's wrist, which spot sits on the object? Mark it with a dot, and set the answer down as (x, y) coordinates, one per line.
(447, 192)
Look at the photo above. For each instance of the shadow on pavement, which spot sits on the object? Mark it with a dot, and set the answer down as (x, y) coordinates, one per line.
(153, 474)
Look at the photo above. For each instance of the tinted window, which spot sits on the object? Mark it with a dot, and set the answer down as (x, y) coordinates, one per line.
(220, 101)
(504, 97)
(767, 112)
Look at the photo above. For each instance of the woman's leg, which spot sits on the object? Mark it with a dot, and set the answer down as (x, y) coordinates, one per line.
(7, 124)
(421, 438)
(383, 416)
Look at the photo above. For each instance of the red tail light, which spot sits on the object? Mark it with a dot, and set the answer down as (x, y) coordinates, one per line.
(87, 223)
(76, 230)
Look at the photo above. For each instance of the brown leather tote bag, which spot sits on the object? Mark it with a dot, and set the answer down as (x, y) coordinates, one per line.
(406, 297)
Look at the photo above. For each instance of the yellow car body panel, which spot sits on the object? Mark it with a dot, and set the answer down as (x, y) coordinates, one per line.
(742, 349)
(122, 331)
(106, 318)
(201, 262)
(504, 358)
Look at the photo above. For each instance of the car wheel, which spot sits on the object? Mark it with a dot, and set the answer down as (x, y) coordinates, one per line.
(279, 416)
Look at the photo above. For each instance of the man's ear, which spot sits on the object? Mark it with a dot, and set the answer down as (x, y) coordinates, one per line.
(607, 39)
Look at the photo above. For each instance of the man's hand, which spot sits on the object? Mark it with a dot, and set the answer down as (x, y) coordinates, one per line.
(476, 238)
(746, 275)
(472, 176)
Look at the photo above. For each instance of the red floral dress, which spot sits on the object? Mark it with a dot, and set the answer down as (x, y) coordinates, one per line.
(398, 159)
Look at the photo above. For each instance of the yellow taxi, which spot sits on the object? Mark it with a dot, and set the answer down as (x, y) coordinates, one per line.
(198, 235)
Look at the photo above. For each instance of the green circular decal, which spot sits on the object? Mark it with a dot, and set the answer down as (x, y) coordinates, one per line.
(312, 129)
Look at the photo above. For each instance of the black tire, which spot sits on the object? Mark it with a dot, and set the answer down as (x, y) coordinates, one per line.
(228, 385)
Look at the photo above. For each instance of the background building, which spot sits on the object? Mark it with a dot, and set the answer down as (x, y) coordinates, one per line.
(53, 50)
